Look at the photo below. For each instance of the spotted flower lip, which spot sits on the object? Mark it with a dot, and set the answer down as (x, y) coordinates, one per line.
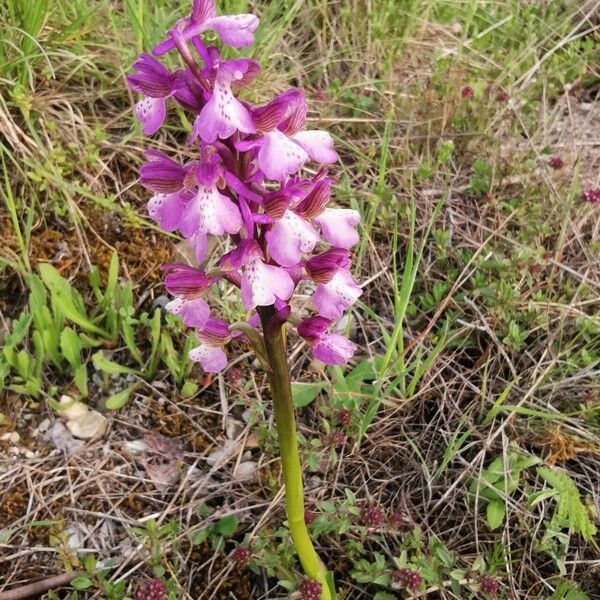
(331, 299)
(262, 284)
(224, 114)
(289, 238)
(240, 196)
(194, 313)
(338, 226)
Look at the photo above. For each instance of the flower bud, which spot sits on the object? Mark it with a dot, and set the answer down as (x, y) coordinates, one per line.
(323, 267)
(186, 282)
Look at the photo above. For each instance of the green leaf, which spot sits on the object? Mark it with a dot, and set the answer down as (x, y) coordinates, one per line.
(189, 389)
(304, 393)
(70, 346)
(108, 366)
(5, 535)
(81, 379)
(570, 512)
(384, 596)
(128, 334)
(120, 399)
(496, 510)
(65, 297)
(200, 536)
(81, 583)
(227, 525)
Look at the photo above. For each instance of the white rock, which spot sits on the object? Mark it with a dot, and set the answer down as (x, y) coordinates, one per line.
(88, 426)
(233, 427)
(220, 453)
(44, 425)
(14, 437)
(73, 409)
(246, 470)
(136, 446)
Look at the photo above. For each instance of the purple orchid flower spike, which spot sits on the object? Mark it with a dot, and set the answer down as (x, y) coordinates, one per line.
(236, 31)
(272, 227)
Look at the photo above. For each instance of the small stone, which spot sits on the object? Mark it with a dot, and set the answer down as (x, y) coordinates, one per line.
(90, 425)
(29, 454)
(73, 409)
(136, 446)
(14, 438)
(245, 470)
(44, 426)
(233, 428)
(221, 453)
(62, 439)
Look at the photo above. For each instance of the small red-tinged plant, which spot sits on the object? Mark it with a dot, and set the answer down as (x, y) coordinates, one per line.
(310, 589)
(592, 196)
(502, 96)
(372, 517)
(488, 584)
(241, 556)
(344, 417)
(407, 577)
(556, 163)
(153, 590)
(467, 92)
(244, 183)
(309, 516)
(335, 439)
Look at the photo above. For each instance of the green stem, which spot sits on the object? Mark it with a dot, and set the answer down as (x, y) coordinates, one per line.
(281, 391)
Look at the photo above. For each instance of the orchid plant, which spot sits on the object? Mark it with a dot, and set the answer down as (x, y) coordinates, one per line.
(255, 184)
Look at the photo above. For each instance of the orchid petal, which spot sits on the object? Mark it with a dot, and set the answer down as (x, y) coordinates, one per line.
(279, 156)
(338, 226)
(151, 113)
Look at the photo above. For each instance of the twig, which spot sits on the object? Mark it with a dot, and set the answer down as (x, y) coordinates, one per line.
(37, 588)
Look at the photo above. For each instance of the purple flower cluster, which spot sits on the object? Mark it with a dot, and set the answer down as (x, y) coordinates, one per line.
(245, 186)
(591, 195)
